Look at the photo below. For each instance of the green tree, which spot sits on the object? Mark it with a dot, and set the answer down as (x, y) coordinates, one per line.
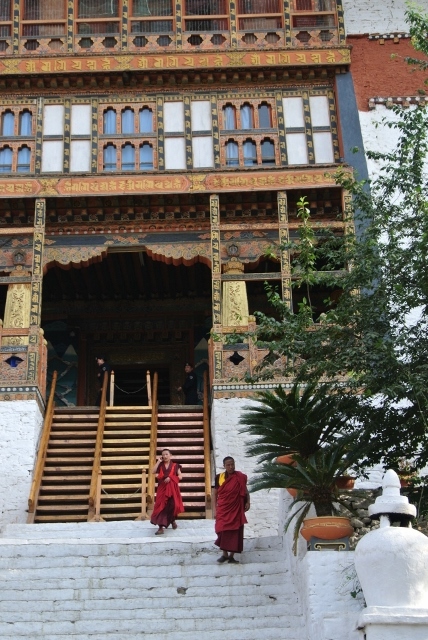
(373, 341)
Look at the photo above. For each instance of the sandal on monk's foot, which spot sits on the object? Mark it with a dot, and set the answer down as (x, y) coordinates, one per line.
(174, 525)
(232, 560)
(222, 559)
(159, 532)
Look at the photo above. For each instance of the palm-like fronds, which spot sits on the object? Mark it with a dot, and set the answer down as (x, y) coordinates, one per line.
(295, 421)
(313, 477)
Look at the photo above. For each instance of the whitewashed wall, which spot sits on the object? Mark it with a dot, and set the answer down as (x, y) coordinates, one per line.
(365, 16)
(263, 515)
(20, 425)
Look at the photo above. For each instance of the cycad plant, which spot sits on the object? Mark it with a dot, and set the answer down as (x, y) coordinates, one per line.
(313, 477)
(301, 420)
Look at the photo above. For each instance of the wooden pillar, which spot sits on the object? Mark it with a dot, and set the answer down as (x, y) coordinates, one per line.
(216, 281)
(36, 290)
(284, 238)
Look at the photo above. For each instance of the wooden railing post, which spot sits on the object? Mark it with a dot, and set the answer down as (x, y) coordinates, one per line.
(153, 446)
(96, 468)
(97, 517)
(111, 400)
(207, 452)
(41, 456)
(143, 514)
(149, 389)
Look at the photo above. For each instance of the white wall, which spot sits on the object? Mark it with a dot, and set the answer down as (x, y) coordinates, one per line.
(366, 16)
(20, 424)
(263, 515)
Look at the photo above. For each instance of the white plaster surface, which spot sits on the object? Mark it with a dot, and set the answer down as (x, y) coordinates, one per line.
(392, 565)
(328, 579)
(20, 424)
(377, 136)
(135, 587)
(263, 515)
(364, 16)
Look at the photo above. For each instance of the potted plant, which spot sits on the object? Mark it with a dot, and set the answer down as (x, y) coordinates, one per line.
(314, 478)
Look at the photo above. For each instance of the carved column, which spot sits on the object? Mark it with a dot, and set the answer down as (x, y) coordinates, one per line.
(35, 335)
(284, 238)
(235, 299)
(216, 281)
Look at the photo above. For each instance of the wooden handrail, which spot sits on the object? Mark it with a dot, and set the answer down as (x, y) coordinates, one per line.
(41, 456)
(97, 516)
(153, 445)
(149, 389)
(96, 467)
(111, 399)
(207, 452)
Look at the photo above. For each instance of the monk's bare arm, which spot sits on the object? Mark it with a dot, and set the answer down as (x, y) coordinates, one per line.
(247, 501)
(155, 467)
(180, 475)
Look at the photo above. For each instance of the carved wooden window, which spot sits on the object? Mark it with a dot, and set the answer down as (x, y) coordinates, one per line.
(24, 160)
(8, 124)
(229, 117)
(128, 123)
(268, 152)
(110, 157)
(53, 138)
(146, 120)
(314, 19)
(265, 116)
(232, 153)
(110, 123)
(154, 19)
(202, 138)
(128, 157)
(250, 153)
(98, 21)
(6, 156)
(6, 25)
(80, 144)
(146, 157)
(260, 21)
(43, 22)
(309, 129)
(206, 17)
(247, 118)
(175, 144)
(321, 129)
(25, 123)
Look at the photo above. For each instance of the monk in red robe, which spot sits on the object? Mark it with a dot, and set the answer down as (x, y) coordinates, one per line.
(231, 500)
(168, 503)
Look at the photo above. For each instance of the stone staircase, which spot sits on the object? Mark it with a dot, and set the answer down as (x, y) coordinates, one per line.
(116, 581)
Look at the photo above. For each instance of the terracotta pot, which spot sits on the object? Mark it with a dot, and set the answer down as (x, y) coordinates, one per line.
(286, 459)
(344, 482)
(405, 481)
(292, 492)
(327, 528)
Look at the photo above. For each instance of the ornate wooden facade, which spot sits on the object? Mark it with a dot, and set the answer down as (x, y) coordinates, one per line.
(144, 142)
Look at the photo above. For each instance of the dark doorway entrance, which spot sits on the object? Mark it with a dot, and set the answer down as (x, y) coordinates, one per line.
(131, 389)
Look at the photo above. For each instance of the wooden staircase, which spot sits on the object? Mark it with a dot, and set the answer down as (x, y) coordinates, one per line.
(180, 429)
(125, 453)
(66, 478)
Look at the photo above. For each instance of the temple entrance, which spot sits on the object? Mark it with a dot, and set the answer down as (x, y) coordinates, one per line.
(139, 313)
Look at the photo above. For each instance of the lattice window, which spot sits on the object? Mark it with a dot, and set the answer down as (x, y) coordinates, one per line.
(146, 120)
(6, 24)
(6, 157)
(146, 157)
(43, 20)
(8, 124)
(25, 123)
(24, 160)
(128, 121)
(110, 122)
(268, 152)
(110, 157)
